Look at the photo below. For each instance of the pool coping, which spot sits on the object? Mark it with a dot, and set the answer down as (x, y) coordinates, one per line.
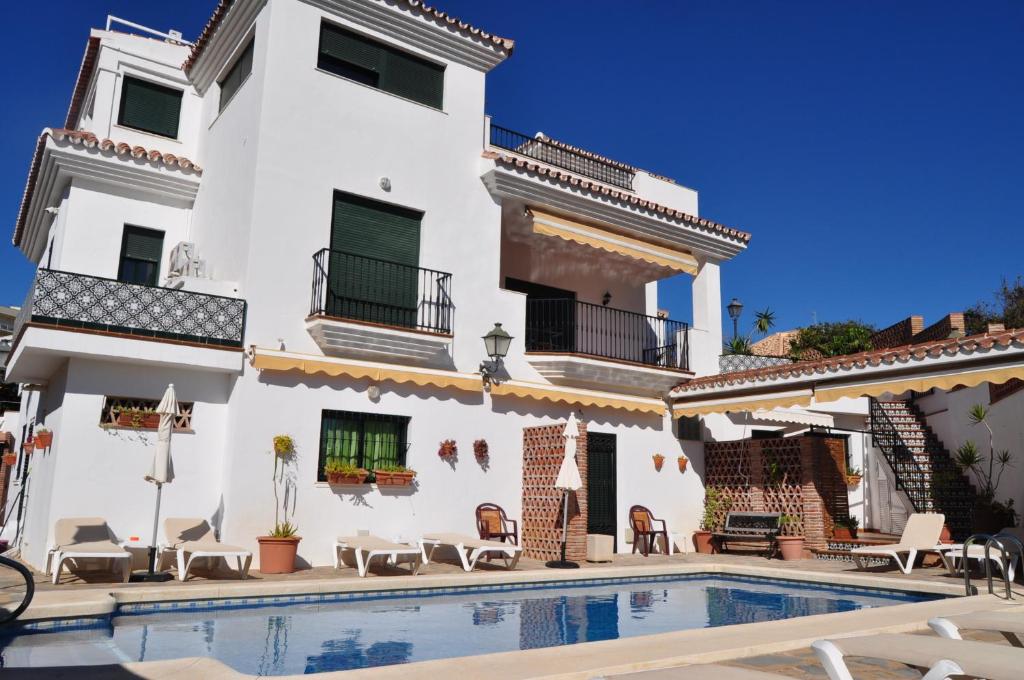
(568, 662)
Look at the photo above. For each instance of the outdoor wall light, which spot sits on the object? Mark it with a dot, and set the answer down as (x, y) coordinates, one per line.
(496, 344)
(385, 183)
(606, 298)
(735, 309)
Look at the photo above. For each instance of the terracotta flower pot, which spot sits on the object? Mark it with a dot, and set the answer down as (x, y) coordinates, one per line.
(342, 478)
(791, 547)
(277, 555)
(843, 534)
(10, 459)
(702, 542)
(683, 462)
(144, 421)
(44, 440)
(658, 462)
(393, 478)
(946, 536)
(853, 481)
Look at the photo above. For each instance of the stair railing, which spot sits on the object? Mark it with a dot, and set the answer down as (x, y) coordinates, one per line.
(910, 477)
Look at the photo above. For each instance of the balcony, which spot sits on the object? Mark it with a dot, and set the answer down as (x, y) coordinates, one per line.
(367, 308)
(561, 156)
(587, 345)
(106, 312)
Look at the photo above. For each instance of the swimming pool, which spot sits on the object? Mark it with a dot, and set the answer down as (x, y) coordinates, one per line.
(327, 632)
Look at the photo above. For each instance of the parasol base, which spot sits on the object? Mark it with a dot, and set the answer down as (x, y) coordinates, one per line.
(561, 564)
(151, 577)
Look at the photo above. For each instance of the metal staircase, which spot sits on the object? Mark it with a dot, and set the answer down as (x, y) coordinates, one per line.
(922, 466)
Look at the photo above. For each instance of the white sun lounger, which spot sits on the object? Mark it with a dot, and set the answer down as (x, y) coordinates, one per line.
(942, 657)
(470, 549)
(368, 547)
(698, 672)
(920, 535)
(77, 538)
(1008, 621)
(194, 537)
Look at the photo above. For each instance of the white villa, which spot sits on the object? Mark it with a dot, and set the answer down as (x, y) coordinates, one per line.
(306, 221)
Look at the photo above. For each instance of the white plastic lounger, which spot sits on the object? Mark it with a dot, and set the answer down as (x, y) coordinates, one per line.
(78, 538)
(1008, 621)
(920, 535)
(470, 549)
(941, 657)
(952, 554)
(699, 672)
(194, 537)
(368, 547)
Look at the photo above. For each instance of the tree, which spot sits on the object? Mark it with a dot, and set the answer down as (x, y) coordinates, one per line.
(764, 321)
(1007, 308)
(833, 338)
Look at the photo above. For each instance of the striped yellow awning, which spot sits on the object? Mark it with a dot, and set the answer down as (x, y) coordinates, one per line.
(942, 381)
(548, 224)
(748, 403)
(273, 360)
(576, 397)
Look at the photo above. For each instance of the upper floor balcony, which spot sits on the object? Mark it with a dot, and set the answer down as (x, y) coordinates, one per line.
(368, 308)
(563, 156)
(104, 313)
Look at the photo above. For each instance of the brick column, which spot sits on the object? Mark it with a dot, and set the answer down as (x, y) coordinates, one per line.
(755, 465)
(815, 533)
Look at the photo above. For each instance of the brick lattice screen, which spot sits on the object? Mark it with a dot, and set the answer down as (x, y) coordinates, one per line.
(543, 450)
(800, 476)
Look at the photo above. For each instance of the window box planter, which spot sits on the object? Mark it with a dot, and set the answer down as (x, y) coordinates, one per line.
(385, 478)
(135, 419)
(351, 478)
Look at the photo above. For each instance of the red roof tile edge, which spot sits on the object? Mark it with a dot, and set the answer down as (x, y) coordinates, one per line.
(82, 83)
(604, 190)
(888, 355)
(605, 159)
(89, 140)
(416, 6)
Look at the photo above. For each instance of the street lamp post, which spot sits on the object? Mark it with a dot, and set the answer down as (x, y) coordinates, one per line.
(735, 309)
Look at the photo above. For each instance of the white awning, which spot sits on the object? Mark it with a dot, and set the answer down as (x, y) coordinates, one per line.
(794, 417)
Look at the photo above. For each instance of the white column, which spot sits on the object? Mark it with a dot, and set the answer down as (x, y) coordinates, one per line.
(706, 334)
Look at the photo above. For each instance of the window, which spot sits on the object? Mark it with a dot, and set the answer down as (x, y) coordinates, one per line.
(139, 414)
(235, 76)
(366, 440)
(766, 434)
(150, 107)
(367, 61)
(140, 255)
(689, 428)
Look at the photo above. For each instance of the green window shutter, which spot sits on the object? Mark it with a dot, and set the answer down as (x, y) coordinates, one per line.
(150, 107)
(141, 250)
(352, 48)
(235, 76)
(373, 262)
(413, 78)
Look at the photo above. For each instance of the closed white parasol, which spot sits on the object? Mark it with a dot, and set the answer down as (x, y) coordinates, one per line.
(568, 480)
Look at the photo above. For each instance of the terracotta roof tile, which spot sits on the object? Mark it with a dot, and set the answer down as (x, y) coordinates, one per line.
(517, 163)
(414, 6)
(88, 140)
(85, 71)
(888, 355)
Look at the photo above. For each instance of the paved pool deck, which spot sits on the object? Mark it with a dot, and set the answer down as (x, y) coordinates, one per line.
(770, 646)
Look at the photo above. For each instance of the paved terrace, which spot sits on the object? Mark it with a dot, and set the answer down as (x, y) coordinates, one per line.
(779, 646)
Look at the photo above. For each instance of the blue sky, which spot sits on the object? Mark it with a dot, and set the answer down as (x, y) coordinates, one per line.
(874, 149)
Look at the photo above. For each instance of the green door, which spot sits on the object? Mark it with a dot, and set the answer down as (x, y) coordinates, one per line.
(601, 448)
(375, 252)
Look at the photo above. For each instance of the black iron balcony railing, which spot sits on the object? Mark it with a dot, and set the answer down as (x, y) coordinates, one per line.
(563, 325)
(542, 150)
(72, 300)
(349, 286)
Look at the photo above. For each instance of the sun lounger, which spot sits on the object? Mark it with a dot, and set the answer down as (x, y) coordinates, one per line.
(698, 672)
(194, 538)
(470, 549)
(920, 535)
(940, 656)
(1008, 621)
(368, 547)
(77, 538)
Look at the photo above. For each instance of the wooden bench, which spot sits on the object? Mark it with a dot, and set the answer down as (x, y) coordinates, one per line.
(750, 527)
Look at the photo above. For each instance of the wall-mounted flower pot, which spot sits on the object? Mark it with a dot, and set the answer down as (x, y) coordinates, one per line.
(481, 450)
(683, 462)
(702, 542)
(44, 439)
(658, 462)
(144, 421)
(277, 555)
(393, 478)
(853, 481)
(791, 547)
(10, 459)
(448, 449)
(339, 478)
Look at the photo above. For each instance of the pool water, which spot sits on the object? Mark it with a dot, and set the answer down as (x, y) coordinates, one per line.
(381, 629)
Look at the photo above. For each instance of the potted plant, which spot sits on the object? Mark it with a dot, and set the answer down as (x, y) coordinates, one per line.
(853, 477)
(44, 438)
(339, 472)
(280, 546)
(714, 504)
(790, 545)
(10, 459)
(448, 449)
(659, 460)
(990, 514)
(683, 462)
(283, 445)
(481, 450)
(393, 475)
(138, 418)
(845, 528)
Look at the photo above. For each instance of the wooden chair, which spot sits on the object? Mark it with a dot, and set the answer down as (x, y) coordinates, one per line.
(645, 535)
(494, 525)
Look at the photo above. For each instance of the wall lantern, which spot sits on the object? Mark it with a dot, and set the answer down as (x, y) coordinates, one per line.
(735, 309)
(496, 344)
(606, 298)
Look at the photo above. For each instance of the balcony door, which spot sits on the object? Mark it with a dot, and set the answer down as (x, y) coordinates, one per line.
(601, 487)
(373, 265)
(550, 316)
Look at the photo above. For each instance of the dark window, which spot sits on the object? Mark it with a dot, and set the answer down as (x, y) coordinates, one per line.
(140, 255)
(235, 76)
(372, 63)
(150, 107)
(137, 413)
(766, 434)
(689, 428)
(366, 440)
